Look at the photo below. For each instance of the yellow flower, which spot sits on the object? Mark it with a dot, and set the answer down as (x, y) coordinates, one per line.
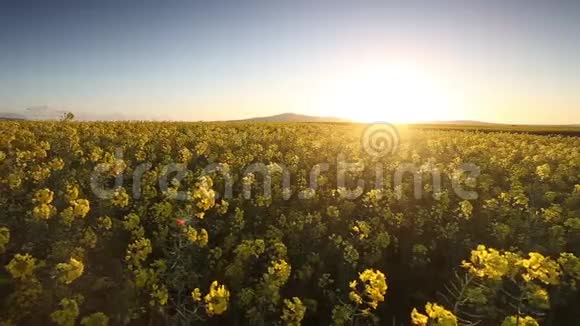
(68, 272)
(465, 209)
(138, 251)
(204, 194)
(418, 319)
(544, 171)
(105, 223)
(190, 234)
(440, 314)
(293, 312)
(539, 267)
(216, 301)
(43, 196)
(278, 273)
(488, 263)
(71, 192)
(196, 295)
(352, 284)
(223, 207)
(43, 211)
(362, 229)
(375, 287)
(202, 238)
(81, 207)
(436, 315)
(120, 198)
(57, 164)
(159, 295)
(22, 266)
(354, 297)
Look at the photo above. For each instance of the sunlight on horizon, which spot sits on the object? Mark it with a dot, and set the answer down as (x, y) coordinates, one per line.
(398, 92)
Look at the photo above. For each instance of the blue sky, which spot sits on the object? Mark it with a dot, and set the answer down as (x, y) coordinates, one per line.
(508, 61)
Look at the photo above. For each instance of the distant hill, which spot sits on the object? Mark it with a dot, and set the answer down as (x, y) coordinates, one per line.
(34, 113)
(293, 117)
(11, 116)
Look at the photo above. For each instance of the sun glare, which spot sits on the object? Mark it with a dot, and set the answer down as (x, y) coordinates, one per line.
(389, 92)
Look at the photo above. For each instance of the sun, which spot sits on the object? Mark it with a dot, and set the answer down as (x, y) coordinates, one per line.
(389, 92)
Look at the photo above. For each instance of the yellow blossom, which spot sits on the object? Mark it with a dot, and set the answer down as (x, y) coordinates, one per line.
(293, 312)
(22, 266)
(196, 295)
(68, 272)
(216, 301)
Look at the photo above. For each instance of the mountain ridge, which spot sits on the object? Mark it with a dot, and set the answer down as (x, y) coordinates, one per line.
(292, 117)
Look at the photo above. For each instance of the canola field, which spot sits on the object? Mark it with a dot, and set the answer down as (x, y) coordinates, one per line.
(168, 223)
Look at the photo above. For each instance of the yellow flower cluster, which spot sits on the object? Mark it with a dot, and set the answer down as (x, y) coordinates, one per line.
(120, 198)
(375, 288)
(293, 312)
(22, 266)
(79, 208)
(159, 295)
(196, 295)
(487, 263)
(204, 195)
(465, 209)
(67, 315)
(436, 315)
(104, 223)
(43, 209)
(216, 301)
(71, 192)
(278, 273)
(361, 229)
(68, 272)
(544, 171)
(199, 238)
(491, 264)
(138, 251)
(185, 155)
(223, 207)
(538, 267)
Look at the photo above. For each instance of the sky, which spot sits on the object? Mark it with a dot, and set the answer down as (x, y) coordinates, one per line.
(404, 61)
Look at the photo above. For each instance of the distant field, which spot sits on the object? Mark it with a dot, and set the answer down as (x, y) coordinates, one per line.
(531, 129)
